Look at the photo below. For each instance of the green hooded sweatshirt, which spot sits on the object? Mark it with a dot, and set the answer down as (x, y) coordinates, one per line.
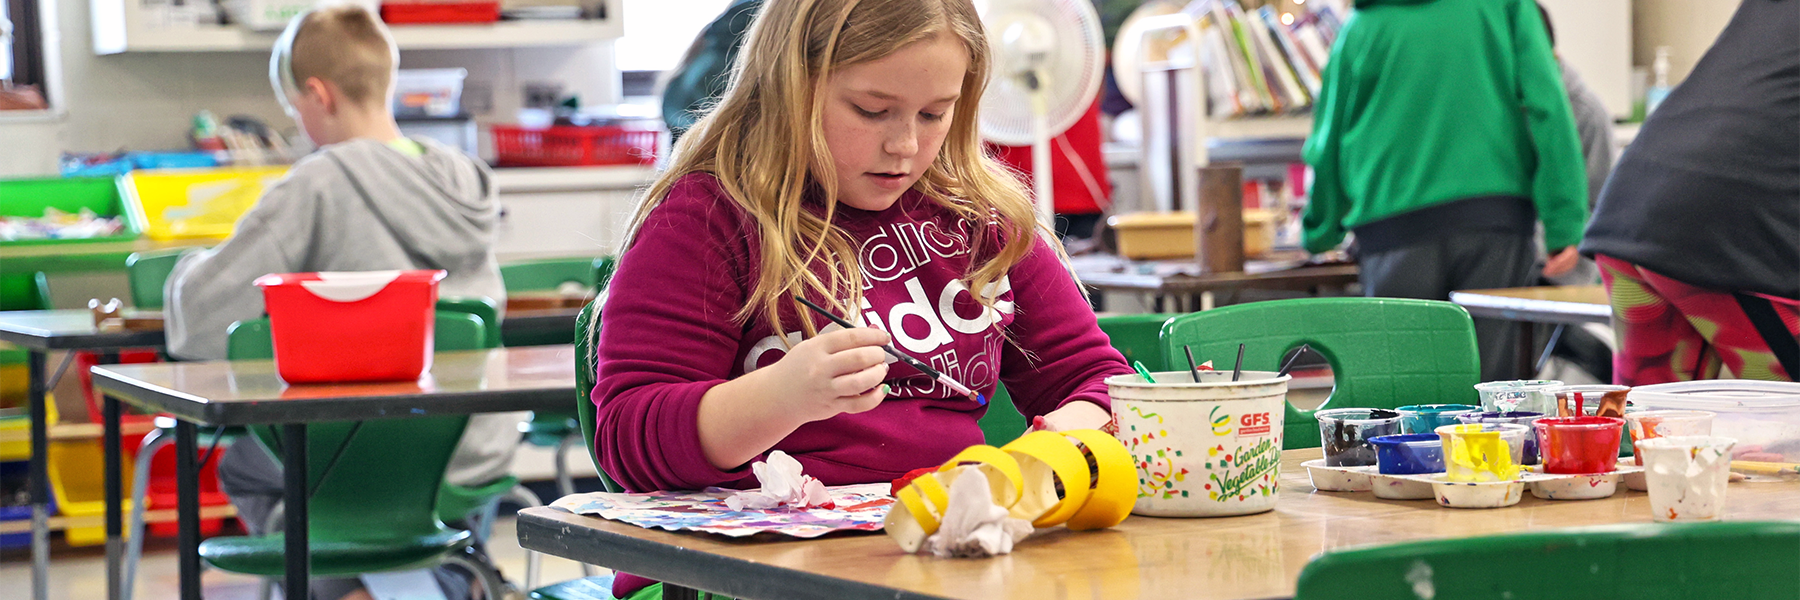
(1426, 102)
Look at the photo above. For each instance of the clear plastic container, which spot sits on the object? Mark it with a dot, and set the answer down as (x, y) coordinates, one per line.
(428, 92)
(1763, 416)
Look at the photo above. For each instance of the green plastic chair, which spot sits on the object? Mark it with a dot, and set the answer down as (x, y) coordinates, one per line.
(481, 307)
(603, 271)
(375, 509)
(24, 291)
(1737, 560)
(587, 336)
(1384, 352)
(1139, 338)
(147, 272)
(550, 274)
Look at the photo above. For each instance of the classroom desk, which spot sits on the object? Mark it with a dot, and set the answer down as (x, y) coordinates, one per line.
(1257, 556)
(39, 332)
(1558, 305)
(228, 393)
(1172, 278)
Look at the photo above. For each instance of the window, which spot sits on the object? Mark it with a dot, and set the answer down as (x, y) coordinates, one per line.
(22, 72)
(658, 32)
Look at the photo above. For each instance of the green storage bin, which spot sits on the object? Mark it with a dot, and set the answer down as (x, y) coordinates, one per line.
(29, 198)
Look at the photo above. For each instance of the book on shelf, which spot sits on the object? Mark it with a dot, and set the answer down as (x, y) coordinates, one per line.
(1256, 65)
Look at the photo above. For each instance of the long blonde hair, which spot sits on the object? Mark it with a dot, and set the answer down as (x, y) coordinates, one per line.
(764, 142)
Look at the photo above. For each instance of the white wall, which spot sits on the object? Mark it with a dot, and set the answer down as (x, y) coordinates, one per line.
(146, 101)
(1688, 27)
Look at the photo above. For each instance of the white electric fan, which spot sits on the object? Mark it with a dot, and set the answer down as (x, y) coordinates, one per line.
(1047, 67)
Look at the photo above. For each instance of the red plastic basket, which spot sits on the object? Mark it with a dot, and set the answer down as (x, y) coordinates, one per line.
(568, 146)
(345, 327)
(426, 13)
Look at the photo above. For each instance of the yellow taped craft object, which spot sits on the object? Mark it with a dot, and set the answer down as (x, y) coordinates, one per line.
(1043, 458)
(1115, 486)
(1022, 477)
(920, 508)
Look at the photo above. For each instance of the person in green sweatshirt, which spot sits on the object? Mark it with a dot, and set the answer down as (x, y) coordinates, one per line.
(1442, 135)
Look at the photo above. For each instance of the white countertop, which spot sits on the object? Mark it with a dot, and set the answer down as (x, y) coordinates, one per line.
(557, 179)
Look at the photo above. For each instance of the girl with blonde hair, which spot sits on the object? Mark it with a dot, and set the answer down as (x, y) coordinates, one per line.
(843, 166)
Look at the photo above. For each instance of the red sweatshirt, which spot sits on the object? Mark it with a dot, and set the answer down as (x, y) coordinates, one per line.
(668, 336)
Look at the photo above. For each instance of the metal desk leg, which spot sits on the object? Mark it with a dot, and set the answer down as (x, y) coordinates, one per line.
(40, 479)
(1527, 351)
(114, 498)
(294, 475)
(187, 507)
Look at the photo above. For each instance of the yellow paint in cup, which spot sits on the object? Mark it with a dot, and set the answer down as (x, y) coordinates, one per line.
(1481, 451)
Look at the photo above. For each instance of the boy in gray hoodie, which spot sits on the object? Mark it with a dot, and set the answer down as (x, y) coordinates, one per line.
(370, 199)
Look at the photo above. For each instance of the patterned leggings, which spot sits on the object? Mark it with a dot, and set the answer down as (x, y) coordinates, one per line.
(1671, 331)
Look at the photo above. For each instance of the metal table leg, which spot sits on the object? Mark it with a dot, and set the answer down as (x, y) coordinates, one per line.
(294, 475)
(114, 502)
(1527, 350)
(187, 504)
(40, 479)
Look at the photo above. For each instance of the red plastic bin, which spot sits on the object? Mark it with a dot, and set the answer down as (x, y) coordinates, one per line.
(570, 146)
(431, 13)
(346, 327)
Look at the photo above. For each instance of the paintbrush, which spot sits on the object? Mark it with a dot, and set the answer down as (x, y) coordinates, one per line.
(1192, 368)
(1237, 370)
(953, 384)
(1748, 467)
(1290, 361)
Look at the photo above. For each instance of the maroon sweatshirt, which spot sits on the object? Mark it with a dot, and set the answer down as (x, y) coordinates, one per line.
(668, 336)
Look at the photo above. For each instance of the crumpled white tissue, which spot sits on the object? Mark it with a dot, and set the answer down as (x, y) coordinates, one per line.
(973, 525)
(782, 485)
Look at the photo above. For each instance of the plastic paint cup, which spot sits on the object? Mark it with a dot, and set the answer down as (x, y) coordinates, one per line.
(1345, 434)
(1652, 424)
(1410, 454)
(1426, 418)
(1482, 451)
(1579, 445)
(1587, 397)
(1686, 476)
(1529, 454)
(1513, 396)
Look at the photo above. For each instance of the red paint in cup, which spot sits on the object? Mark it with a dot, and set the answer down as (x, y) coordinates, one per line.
(1579, 445)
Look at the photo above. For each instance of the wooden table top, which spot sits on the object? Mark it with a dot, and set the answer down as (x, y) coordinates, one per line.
(250, 392)
(71, 329)
(1565, 304)
(1257, 556)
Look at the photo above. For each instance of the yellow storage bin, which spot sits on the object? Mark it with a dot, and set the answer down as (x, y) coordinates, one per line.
(1154, 235)
(15, 438)
(78, 479)
(194, 204)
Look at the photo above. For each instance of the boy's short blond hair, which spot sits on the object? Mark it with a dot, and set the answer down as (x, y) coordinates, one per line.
(349, 47)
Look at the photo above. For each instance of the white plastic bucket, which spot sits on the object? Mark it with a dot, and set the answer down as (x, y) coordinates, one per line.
(1208, 449)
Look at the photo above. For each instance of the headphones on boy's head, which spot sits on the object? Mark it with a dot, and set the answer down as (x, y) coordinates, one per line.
(281, 64)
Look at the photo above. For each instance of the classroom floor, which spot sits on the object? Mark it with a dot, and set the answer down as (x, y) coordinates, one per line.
(80, 573)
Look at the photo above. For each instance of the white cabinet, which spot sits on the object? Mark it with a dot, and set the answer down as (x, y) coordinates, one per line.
(566, 212)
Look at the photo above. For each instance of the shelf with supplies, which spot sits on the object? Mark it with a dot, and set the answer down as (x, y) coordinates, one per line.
(127, 26)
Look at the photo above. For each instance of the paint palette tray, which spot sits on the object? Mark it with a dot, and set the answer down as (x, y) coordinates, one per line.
(1401, 487)
(1340, 479)
(1549, 486)
(1475, 494)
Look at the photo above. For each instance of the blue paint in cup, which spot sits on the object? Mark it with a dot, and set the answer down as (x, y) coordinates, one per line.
(1409, 454)
(1530, 456)
(1426, 418)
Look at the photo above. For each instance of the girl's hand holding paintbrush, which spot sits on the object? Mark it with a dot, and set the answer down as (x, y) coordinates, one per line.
(819, 378)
